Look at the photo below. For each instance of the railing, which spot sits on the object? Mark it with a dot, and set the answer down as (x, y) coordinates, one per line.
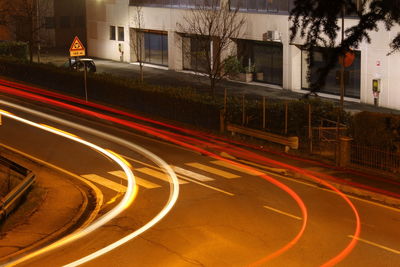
(375, 158)
(10, 201)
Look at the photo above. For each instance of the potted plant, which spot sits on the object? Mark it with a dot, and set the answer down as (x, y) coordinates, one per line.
(246, 75)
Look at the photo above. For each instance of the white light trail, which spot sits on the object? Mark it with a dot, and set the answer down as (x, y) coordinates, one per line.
(173, 197)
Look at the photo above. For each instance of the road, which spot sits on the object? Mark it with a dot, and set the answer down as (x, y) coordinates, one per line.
(225, 215)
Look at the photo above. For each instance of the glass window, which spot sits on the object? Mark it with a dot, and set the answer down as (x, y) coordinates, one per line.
(79, 21)
(49, 22)
(267, 58)
(65, 22)
(352, 74)
(156, 48)
(112, 32)
(195, 51)
(121, 34)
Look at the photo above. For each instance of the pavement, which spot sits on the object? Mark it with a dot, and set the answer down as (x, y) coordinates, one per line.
(39, 228)
(30, 226)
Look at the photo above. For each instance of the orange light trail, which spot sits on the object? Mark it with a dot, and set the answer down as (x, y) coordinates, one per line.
(218, 145)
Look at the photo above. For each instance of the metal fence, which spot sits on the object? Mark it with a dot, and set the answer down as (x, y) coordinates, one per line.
(375, 158)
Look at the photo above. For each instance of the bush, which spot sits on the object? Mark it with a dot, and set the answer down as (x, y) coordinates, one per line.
(18, 50)
(377, 129)
(180, 104)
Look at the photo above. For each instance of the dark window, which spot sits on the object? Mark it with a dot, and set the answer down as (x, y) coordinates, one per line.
(156, 48)
(262, 5)
(352, 73)
(121, 34)
(196, 49)
(266, 58)
(175, 3)
(112, 32)
(65, 22)
(79, 21)
(49, 22)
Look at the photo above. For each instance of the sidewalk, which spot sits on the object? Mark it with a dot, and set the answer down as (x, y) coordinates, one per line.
(163, 77)
(51, 210)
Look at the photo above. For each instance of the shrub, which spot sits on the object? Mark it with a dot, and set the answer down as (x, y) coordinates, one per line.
(18, 50)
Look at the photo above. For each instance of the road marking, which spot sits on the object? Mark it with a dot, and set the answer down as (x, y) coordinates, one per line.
(182, 177)
(105, 182)
(376, 245)
(235, 167)
(281, 171)
(142, 182)
(157, 174)
(191, 174)
(284, 213)
(212, 170)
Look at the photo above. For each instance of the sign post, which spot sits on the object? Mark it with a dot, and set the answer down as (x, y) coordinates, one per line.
(77, 50)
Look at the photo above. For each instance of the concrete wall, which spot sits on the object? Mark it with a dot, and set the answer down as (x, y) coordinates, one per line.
(374, 60)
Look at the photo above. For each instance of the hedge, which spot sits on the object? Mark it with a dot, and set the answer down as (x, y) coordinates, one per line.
(14, 49)
(180, 104)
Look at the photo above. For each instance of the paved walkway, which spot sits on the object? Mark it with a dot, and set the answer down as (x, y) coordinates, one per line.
(163, 77)
(54, 204)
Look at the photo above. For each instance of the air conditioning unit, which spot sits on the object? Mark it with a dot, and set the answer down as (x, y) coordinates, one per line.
(272, 36)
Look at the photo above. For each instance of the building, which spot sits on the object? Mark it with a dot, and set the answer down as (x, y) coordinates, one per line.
(265, 44)
(54, 23)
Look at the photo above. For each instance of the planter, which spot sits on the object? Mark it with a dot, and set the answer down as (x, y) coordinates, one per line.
(260, 76)
(245, 77)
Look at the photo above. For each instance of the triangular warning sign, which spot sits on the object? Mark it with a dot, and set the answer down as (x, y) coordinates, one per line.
(76, 45)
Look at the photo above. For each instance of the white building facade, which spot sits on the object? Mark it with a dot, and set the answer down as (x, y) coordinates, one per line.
(264, 44)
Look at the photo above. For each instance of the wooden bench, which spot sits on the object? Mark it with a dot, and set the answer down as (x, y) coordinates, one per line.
(288, 142)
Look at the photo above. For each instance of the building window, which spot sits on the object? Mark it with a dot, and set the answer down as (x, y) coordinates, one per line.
(79, 21)
(266, 57)
(121, 34)
(156, 48)
(65, 22)
(112, 32)
(49, 22)
(352, 74)
(195, 51)
(175, 3)
(262, 5)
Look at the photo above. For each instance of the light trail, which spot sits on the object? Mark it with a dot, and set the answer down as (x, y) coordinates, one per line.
(126, 201)
(174, 184)
(167, 136)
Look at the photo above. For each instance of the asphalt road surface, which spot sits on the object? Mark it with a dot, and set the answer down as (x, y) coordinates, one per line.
(224, 216)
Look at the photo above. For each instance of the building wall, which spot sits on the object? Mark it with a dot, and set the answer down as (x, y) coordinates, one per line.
(374, 60)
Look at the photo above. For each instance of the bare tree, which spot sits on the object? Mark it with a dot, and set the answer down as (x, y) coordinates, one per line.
(212, 27)
(137, 36)
(26, 17)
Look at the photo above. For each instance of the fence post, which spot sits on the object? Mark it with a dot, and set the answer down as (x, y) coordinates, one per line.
(310, 138)
(264, 113)
(345, 149)
(243, 111)
(286, 117)
(222, 115)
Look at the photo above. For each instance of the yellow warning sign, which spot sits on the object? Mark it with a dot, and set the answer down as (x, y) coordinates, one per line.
(77, 49)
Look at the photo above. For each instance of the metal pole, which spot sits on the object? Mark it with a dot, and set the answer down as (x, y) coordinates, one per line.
(243, 111)
(286, 117)
(342, 65)
(309, 128)
(37, 30)
(85, 74)
(264, 118)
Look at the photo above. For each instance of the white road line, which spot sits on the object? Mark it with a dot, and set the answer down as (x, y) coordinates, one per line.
(191, 174)
(212, 170)
(284, 213)
(278, 170)
(376, 245)
(234, 167)
(157, 174)
(183, 177)
(140, 181)
(105, 182)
